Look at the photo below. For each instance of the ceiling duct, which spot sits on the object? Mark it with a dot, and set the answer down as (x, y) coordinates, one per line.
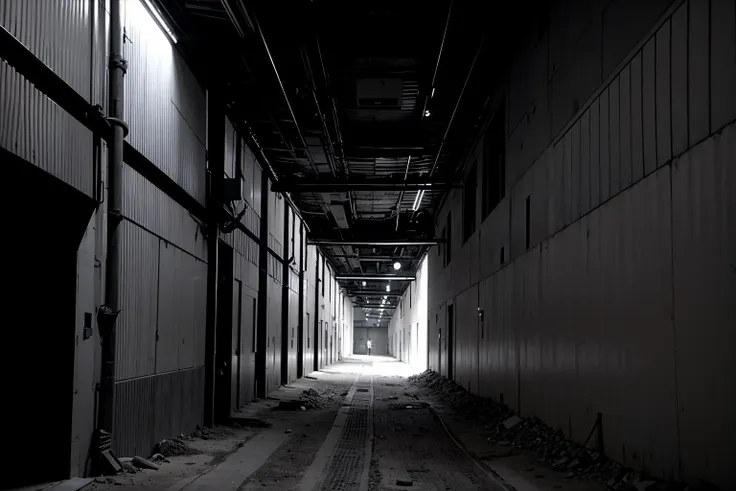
(338, 208)
(379, 92)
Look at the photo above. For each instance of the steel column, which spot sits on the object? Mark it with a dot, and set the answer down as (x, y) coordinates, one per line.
(216, 164)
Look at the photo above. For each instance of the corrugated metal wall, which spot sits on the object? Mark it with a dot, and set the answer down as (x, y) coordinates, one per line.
(704, 255)
(619, 305)
(164, 105)
(36, 129)
(160, 345)
(59, 34)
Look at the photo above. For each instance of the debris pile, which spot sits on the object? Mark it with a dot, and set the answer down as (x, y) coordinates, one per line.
(211, 433)
(177, 446)
(503, 427)
(313, 399)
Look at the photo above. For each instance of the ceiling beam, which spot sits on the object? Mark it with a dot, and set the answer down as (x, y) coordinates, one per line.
(372, 306)
(372, 293)
(334, 186)
(377, 242)
(375, 277)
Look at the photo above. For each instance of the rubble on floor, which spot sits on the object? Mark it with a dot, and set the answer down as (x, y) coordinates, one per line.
(177, 446)
(313, 399)
(503, 427)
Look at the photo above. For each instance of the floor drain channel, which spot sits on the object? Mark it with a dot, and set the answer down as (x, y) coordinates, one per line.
(346, 467)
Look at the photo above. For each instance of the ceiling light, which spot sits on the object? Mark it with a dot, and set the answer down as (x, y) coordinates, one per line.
(417, 200)
(364, 283)
(160, 20)
(431, 96)
(427, 113)
(397, 266)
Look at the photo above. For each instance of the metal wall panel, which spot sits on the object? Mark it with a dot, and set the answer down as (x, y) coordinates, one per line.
(138, 283)
(58, 33)
(164, 105)
(663, 76)
(637, 119)
(704, 243)
(467, 334)
(591, 307)
(699, 70)
(679, 79)
(151, 208)
(493, 235)
(625, 126)
(585, 163)
(722, 63)
(575, 171)
(150, 409)
(181, 310)
(595, 156)
(614, 108)
(567, 178)
(497, 357)
(36, 129)
(649, 106)
(604, 150)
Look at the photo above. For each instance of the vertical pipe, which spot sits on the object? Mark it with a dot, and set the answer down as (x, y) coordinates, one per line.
(108, 315)
(216, 166)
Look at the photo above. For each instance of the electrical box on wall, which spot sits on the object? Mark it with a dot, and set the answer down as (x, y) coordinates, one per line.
(232, 190)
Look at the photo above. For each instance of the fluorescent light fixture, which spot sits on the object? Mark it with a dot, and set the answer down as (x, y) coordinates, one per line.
(160, 20)
(432, 93)
(397, 266)
(427, 113)
(417, 200)
(364, 283)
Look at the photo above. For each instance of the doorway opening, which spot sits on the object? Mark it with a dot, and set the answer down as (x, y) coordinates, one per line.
(228, 319)
(47, 219)
(450, 341)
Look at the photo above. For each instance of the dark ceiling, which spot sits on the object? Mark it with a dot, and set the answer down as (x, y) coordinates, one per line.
(363, 110)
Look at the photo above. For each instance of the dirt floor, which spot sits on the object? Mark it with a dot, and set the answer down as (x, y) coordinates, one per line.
(372, 423)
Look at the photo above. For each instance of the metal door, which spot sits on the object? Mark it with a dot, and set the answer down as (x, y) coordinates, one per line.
(237, 341)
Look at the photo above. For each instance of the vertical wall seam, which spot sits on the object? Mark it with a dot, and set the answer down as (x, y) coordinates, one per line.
(710, 67)
(158, 308)
(674, 327)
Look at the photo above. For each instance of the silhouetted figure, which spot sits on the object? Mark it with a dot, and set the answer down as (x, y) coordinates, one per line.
(369, 344)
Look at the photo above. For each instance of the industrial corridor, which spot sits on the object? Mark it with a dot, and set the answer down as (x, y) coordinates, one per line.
(368, 245)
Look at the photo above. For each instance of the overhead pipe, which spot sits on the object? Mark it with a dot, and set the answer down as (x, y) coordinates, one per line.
(286, 96)
(431, 86)
(457, 105)
(308, 66)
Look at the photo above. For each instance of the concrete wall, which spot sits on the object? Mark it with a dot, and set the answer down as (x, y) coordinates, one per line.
(621, 303)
